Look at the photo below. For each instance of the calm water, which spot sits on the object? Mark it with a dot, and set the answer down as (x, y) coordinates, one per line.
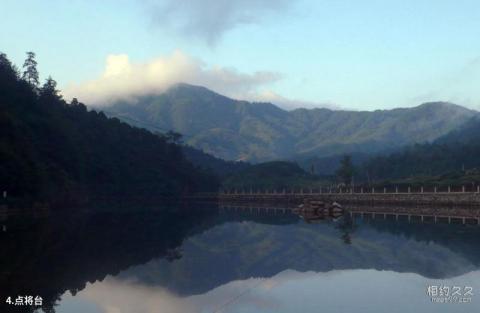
(211, 260)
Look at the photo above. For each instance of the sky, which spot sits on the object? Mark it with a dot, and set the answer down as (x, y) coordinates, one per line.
(360, 55)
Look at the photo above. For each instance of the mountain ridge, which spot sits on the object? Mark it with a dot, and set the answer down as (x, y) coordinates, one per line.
(259, 131)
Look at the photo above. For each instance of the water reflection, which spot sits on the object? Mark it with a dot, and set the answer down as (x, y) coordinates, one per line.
(289, 292)
(241, 249)
(49, 255)
(198, 259)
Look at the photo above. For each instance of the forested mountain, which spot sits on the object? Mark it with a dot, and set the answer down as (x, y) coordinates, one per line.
(219, 167)
(55, 151)
(235, 130)
(277, 175)
(327, 165)
(455, 153)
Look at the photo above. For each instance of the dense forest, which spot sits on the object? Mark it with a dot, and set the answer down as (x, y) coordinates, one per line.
(56, 151)
(276, 175)
(220, 167)
(452, 158)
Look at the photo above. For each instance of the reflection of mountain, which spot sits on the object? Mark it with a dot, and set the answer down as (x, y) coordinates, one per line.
(237, 251)
(47, 256)
(462, 240)
(359, 291)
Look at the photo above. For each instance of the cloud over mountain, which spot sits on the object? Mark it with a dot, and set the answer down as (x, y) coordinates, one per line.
(124, 79)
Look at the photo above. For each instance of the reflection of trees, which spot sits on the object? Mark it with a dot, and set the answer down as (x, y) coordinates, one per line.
(347, 227)
(49, 256)
(344, 222)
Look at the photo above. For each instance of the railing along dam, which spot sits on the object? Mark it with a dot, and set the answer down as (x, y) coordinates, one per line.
(460, 196)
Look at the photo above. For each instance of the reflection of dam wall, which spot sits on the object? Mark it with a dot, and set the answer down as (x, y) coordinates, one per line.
(426, 210)
(423, 214)
(256, 210)
(431, 216)
(465, 199)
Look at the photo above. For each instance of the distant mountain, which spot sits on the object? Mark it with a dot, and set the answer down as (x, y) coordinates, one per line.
(240, 130)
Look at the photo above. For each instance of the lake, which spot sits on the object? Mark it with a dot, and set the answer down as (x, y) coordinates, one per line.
(202, 258)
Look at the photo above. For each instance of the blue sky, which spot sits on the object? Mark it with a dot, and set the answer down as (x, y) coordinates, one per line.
(361, 55)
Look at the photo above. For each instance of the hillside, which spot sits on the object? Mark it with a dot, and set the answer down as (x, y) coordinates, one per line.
(60, 152)
(452, 158)
(240, 130)
(219, 167)
(277, 175)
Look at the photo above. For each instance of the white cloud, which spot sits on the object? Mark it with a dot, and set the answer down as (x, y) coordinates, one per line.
(208, 20)
(123, 79)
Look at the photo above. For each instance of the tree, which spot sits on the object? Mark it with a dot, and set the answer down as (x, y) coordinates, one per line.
(346, 170)
(7, 67)
(49, 89)
(30, 73)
